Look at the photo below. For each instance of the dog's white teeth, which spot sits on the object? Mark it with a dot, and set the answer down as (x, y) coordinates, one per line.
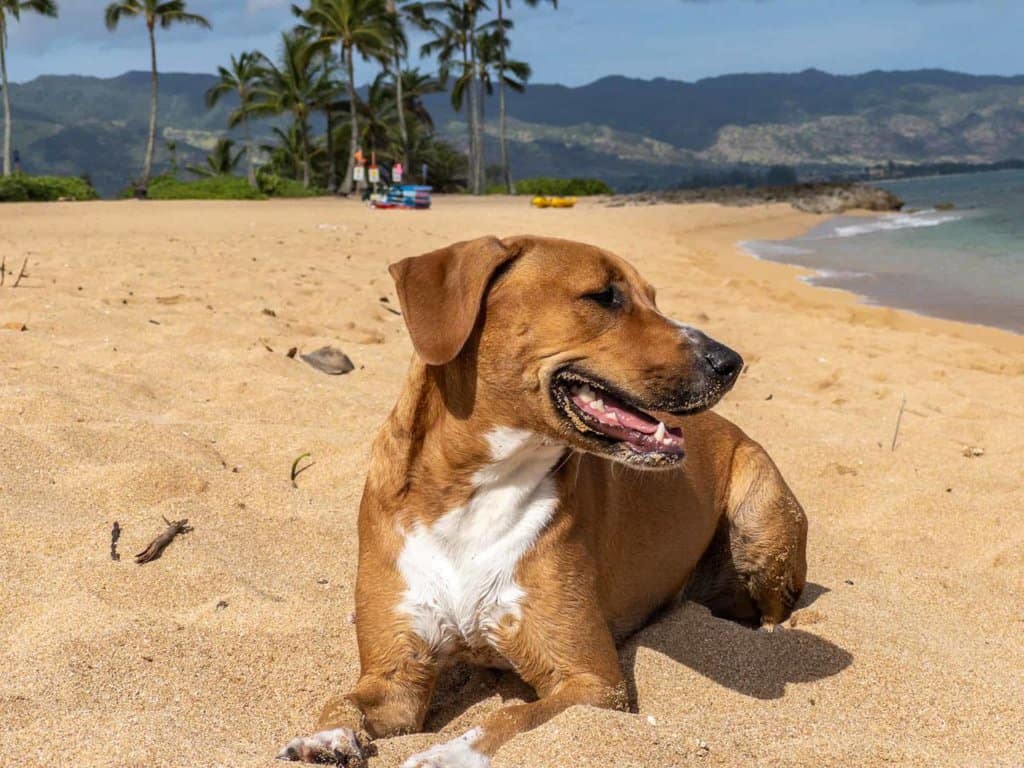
(598, 405)
(659, 433)
(613, 416)
(586, 394)
(666, 441)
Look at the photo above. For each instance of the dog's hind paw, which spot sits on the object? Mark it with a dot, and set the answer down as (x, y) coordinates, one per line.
(338, 746)
(457, 753)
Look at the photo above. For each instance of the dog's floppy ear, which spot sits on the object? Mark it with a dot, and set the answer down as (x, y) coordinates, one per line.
(441, 293)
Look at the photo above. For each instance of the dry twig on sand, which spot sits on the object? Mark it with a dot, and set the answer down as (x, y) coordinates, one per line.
(3, 268)
(20, 274)
(159, 544)
(899, 418)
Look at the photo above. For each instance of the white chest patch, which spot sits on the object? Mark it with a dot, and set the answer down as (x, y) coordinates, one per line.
(460, 571)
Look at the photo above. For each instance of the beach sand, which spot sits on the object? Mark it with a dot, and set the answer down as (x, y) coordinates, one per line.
(150, 382)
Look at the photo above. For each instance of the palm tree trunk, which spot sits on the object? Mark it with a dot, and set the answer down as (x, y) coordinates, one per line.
(470, 124)
(474, 105)
(332, 156)
(503, 140)
(481, 154)
(304, 130)
(403, 130)
(353, 144)
(147, 167)
(250, 168)
(7, 97)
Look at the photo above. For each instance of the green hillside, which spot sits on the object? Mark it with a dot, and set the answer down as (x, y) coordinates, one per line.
(631, 133)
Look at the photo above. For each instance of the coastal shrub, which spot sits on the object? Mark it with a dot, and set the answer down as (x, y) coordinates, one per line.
(273, 185)
(562, 187)
(20, 188)
(211, 188)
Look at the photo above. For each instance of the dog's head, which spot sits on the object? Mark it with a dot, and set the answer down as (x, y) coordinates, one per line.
(565, 340)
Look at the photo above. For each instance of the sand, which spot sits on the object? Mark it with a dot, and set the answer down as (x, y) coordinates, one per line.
(151, 383)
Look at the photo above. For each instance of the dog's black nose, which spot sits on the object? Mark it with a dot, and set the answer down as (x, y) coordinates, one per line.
(723, 360)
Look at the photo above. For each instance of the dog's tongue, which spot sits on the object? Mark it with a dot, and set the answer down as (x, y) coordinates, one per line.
(617, 420)
(610, 411)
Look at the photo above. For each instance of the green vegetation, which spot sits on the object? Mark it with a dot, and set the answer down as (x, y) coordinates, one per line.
(272, 185)
(562, 187)
(19, 188)
(212, 188)
(226, 187)
(239, 80)
(222, 161)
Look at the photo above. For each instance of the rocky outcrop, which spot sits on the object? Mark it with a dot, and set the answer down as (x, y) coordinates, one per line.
(819, 197)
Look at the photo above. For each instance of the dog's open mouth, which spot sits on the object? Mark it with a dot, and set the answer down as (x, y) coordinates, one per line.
(598, 414)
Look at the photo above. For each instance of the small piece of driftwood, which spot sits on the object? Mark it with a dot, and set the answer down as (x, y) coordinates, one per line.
(115, 534)
(159, 544)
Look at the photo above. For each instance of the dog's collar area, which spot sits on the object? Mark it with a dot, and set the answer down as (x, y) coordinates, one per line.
(597, 413)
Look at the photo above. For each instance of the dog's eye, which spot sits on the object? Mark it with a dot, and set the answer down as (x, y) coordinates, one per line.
(609, 298)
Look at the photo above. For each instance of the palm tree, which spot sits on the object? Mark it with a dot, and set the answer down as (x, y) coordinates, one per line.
(153, 12)
(295, 86)
(455, 42)
(502, 65)
(328, 100)
(12, 9)
(416, 85)
(286, 154)
(221, 162)
(400, 48)
(363, 27)
(496, 66)
(380, 119)
(239, 79)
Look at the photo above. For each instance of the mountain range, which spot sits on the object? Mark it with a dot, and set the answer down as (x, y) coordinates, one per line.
(632, 133)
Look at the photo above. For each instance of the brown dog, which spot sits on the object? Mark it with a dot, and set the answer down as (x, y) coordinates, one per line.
(510, 516)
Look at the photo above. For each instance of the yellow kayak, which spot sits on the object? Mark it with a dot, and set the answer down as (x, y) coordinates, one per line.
(553, 202)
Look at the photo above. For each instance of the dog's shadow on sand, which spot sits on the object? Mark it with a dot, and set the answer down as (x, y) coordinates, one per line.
(752, 662)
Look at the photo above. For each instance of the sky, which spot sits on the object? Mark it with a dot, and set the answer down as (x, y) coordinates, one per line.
(584, 40)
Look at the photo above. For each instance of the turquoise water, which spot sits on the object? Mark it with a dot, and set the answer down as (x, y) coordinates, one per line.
(964, 264)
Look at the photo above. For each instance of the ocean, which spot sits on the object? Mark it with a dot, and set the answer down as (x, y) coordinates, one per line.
(965, 263)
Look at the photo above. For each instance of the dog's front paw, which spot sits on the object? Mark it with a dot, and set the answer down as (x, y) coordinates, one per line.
(457, 753)
(338, 746)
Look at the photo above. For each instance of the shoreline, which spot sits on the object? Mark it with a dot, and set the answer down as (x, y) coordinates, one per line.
(835, 281)
(850, 281)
